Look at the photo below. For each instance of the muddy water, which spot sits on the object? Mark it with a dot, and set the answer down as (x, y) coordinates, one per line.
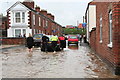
(73, 62)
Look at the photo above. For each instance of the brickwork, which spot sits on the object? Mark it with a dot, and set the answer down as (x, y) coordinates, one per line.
(93, 39)
(116, 33)
(111, 54)
(13, 41)
(47, 20)
(3, 26)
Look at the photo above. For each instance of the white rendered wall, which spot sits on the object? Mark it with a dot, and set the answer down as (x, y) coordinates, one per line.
(91, 19)
(18, 8)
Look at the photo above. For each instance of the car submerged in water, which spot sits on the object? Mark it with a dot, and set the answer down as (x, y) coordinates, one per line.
(73, 39)
(37, 39)
(49, 46)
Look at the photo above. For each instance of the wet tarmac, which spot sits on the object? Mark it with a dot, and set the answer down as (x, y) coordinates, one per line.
(73, 62)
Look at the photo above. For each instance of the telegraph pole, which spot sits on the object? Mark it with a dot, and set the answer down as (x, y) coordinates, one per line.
(83, 19)
(77, 22)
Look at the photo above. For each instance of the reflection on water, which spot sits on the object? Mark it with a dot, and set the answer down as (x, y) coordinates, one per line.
(73, 47)
(73, 62)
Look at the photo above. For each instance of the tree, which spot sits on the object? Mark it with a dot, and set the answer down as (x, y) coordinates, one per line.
(74, 31)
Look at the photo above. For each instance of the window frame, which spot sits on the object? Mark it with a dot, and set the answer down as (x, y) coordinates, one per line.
(33, 19)
(16, 17)
(21, 17)
(39, 21)
(46, 23)
(110, 30)
(101, 29)
(18, 34)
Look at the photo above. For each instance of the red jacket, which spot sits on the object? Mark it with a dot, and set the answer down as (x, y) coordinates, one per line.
(61, 38)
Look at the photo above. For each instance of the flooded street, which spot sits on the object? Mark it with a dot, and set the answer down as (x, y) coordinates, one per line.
(73, 62)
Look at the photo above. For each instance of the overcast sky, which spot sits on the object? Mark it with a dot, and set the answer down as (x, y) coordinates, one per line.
(66, 12)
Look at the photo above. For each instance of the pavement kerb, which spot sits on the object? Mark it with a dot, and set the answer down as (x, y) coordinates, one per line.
(9, 46)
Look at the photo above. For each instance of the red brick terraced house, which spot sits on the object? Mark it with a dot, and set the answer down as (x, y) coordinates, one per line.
(104, 38)
(24, 18)
(3, 26)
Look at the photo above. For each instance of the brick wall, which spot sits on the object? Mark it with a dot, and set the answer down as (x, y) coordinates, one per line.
(102, 48)
(110, 55)
(116, 33)
(13, 41)
(93, 39)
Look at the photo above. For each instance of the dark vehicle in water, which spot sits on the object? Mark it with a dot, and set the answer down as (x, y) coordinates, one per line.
(49, 46)
(0, 40)
(37, 39)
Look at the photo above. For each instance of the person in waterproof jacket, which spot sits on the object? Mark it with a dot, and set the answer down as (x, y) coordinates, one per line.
(45, 40)
(85, 41)
(62, 41)
(81, 36)
(54, 40)
(30, 42)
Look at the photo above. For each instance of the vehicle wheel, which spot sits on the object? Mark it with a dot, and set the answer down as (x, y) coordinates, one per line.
(68, 44)
(76, 43)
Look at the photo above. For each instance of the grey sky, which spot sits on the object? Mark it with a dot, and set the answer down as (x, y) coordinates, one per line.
(67, 12)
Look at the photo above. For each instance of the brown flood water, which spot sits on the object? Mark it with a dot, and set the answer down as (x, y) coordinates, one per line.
(73, 62)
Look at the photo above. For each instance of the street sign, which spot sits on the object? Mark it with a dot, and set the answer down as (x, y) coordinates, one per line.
(84, 24)
(53, 31)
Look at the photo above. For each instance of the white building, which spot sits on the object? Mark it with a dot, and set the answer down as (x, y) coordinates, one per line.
(18, 20)
(90, 18)
(25, 18)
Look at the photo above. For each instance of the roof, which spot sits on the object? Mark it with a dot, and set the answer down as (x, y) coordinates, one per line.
(106, 0)
(18, 2)
(28, 1)
(97, 1)
(90, 3)
(41, 14)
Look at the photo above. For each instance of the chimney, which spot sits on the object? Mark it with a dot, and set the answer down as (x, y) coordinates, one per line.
(49, 15)
(37, 8)
(29, 3)
(52, 17)
(44, 12)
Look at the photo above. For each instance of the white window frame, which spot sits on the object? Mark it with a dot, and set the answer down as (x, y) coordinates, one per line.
(39, 21)
(101, 32)
(43, 23)
(34, 31)
(110, 30)
(21, 31)
(33, 19)
(17, 17)
(15, 32)
(46, 23)
(22, 19)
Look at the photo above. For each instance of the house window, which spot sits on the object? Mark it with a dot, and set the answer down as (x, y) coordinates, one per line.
(101, 33)
(17, 32)
(110, 29)
(46, 23)
(43, 23)
(34, 31)
(23, 17)
(24, 31)
(34, 19)
(17, 17)
(39, 21)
